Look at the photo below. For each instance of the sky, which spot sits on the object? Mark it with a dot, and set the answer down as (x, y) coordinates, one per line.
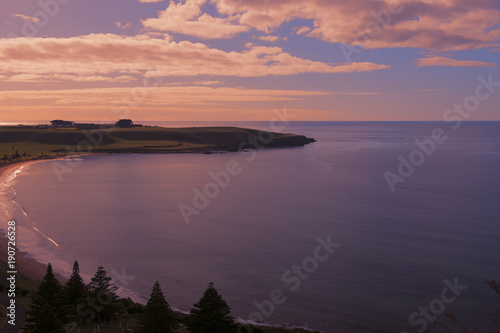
(241, 60)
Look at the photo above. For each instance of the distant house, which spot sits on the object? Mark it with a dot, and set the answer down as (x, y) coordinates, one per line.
(61, 123)
(124, 123)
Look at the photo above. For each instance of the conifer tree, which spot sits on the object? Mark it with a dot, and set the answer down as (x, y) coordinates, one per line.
(75, 291)
(50, 293)
(103, 291)
(101, 283)
(48, 321)
(157, 317)
(75, 288)
(211, 314)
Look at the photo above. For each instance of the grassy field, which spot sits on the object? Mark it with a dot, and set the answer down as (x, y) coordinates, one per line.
(32, 143)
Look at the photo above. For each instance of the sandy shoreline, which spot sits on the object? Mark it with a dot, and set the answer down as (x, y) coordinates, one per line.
(29, 268)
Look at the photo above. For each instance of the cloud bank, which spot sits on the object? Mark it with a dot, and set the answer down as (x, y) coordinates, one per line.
(428, 24)
(109, 57)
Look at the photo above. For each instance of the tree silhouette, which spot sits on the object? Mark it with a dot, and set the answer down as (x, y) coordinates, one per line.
(103, 291)
(75, 288)
(101, 283)
(50, 293)
(48, 321)
(15, 155)
(211, 314)
(157, 317)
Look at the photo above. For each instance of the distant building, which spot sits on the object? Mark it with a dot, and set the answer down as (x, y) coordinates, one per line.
(61, 123)
(124, 123)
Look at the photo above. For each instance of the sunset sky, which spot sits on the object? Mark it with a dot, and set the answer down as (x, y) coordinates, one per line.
(240, 59)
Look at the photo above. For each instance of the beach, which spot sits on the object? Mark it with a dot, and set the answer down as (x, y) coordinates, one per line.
(27, 267)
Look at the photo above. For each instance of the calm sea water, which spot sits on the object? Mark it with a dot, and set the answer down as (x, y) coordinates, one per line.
(396, 249)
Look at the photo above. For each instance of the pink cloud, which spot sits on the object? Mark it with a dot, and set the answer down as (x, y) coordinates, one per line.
(156, 96)
(208, 82)
(302, 30)
(65, 77)
(181, 103)
(107, 56)
(123, 25)
(25, 17)
(271, 38)
(188, 18)
(196, 83)
(443, 61)
(429, 24)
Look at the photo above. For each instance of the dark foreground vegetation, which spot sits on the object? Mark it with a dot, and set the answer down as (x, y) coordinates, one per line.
(77, 307)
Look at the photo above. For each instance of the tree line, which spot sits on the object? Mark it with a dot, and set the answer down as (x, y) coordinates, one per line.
(14, 156)
(58, 308)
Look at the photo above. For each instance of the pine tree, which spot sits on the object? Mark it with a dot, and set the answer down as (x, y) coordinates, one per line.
(211, 314)
(48, 321)
(157, 317)
(103, 290)
(101, 283)
(50, 292)
(75, 288)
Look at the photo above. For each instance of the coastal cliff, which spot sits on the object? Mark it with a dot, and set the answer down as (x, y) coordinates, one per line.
(58, 141)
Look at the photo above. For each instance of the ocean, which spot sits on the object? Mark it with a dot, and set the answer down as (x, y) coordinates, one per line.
(376, 227)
